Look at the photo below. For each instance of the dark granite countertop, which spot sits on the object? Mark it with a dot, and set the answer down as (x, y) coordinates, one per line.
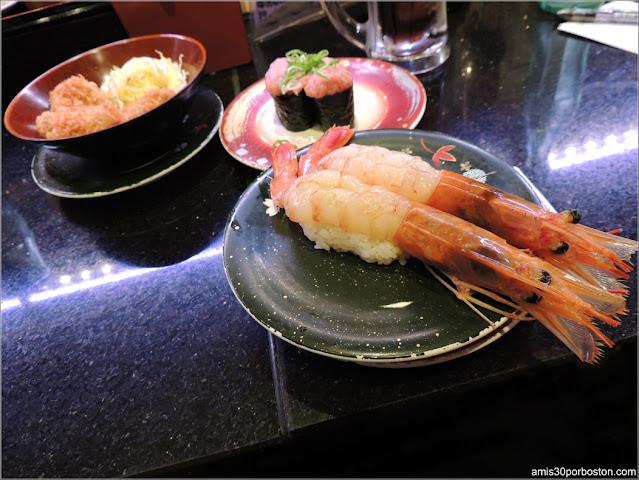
(158, 370)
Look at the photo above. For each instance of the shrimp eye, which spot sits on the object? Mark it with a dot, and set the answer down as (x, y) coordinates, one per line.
(572, 215)
(576, 216)
(533, 298)
(545, 277)
(562, 248)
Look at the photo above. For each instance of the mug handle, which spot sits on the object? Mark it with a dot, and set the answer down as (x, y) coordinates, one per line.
(346, 25)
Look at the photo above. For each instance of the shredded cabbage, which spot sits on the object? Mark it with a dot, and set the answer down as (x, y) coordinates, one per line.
(141, 74)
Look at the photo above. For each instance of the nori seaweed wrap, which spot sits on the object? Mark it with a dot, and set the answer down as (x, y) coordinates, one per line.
(296, 112)
(332, 91)
(294, 109)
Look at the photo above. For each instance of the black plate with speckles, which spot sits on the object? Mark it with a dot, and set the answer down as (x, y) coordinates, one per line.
(337, 305)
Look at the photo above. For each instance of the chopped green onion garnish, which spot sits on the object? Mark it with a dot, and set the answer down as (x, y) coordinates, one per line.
(301, 63)
(282, 142)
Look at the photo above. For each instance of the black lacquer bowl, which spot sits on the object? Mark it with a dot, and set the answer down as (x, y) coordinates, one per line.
(149, 130)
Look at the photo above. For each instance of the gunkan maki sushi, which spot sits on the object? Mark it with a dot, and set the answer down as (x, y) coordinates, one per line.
(332, 90)
(294, 109)
(309, 89)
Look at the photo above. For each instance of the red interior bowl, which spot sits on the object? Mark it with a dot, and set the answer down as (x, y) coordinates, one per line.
(23, 110)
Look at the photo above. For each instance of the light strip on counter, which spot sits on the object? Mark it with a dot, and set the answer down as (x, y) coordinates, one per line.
(592, 151)
(9, 304)
(108, 278)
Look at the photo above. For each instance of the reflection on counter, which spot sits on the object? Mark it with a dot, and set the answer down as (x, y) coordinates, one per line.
(21, 258)
(555, 81)
(558, 81)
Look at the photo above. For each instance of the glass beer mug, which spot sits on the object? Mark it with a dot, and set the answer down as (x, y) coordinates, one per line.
(413, 35)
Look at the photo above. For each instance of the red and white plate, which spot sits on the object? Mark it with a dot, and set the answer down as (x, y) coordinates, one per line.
(385, 95)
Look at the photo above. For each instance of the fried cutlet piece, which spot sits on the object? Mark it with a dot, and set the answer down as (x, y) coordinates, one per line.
(77, 120)
(76, 91)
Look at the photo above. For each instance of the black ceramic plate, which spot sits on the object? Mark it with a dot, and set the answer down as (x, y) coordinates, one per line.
(337, 305)
(72, 176)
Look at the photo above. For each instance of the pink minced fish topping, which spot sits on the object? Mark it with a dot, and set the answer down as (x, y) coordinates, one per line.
(337, 78)
(275, 73)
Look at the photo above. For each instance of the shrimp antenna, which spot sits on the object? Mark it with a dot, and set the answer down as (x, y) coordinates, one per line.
(471, 301)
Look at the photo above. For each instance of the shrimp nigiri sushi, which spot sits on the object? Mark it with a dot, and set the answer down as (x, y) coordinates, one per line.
(340, 212)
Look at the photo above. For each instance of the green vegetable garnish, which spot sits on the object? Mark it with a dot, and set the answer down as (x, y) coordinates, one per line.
(301, 63)
(282, 142)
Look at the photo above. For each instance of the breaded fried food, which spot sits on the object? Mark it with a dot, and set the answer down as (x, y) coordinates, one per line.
(76, 91)
(77, 120)
(79, 106)
(146, 102)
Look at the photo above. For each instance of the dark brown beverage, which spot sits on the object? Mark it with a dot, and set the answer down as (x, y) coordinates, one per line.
(410, 28)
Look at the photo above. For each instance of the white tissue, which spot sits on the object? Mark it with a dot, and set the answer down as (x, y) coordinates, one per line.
(622, 36)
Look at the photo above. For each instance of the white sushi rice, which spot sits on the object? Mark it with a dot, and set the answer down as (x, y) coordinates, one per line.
(326, 237)
(372, 251)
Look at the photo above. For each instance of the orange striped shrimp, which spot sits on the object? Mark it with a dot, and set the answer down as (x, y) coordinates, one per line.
(599, 257)
(341, 212)
(333, 138)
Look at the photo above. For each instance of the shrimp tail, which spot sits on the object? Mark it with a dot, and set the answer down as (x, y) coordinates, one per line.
(485, 263)
(580, 335)
(333, 138)
(599, 257)
(285, 171)
(287, 168)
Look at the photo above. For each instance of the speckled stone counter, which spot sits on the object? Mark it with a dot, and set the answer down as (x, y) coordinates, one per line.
(125, 352)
